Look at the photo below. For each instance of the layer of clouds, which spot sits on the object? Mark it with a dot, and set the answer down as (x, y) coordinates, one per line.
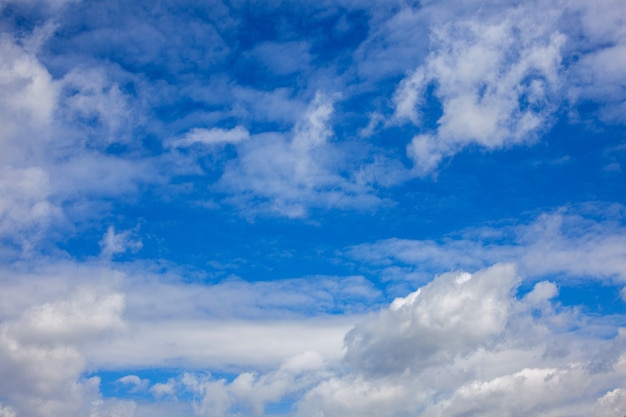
(582, 242)
(93, 316)
(464, 343)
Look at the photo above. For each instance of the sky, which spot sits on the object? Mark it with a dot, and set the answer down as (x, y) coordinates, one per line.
(338, 208)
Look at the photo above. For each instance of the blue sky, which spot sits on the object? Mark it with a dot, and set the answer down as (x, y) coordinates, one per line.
(346, 208)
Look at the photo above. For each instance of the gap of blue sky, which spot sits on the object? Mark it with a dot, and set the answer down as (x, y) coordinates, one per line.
(347, 208)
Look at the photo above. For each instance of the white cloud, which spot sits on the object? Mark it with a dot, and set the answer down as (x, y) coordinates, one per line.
(290, 174)
(95, 110)
(7, 412)
(461, 341)
(493, 79)
(28, 98)
(26, 209)
(137, 384)
(114, 243)
(597, 72)
(612, 404)
(40, 357)
(249, 392)
(223, 344)
(464, 344)
(234, 324)
(213, 136)
(53, 134)
(416, 331)
(587, 241)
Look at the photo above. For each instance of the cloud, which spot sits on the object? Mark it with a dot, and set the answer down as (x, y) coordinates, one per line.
(96, 109)
(168, 321)
(416, 331)
(26, 207)
(50, 337)
(249, 392)
(595, 73)
(613, 403)
(213, 136)
(55, 142)
(288, 174)
(114, 243)
(107, 107)
(464, 344)
(587, 241)
(137, 384)
(40, 356)
(494, 81)
(28, 98)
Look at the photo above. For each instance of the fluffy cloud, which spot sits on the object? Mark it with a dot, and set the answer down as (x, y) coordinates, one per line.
(459, 344)
(491, 93)
(416, 331)
(28, 97)
(464, 344)
(248, 392)
(54, 137)
(40, 355)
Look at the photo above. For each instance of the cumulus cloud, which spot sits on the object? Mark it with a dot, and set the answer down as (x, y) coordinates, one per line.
(613, 403)
(493, 80)
(451, 315)
(248, 392)
(40, 355)
(464, 344)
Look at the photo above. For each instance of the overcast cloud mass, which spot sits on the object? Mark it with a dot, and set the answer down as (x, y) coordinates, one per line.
(312, 209)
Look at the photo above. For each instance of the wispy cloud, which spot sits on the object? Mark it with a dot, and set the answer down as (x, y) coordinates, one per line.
(288, 174)
(584, 242)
